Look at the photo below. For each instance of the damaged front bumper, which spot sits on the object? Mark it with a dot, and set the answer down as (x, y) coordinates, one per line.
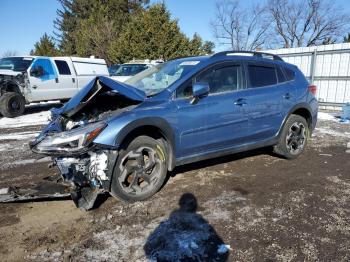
(85, 166)
(70, 135)
(88, 174)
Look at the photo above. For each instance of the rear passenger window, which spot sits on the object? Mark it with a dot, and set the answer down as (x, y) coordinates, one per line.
(63, 68)
(290, 75)
(280, 75)
(221, 79)
(261, 75)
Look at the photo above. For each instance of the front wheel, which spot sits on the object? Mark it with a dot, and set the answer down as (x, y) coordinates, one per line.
(293, 138)
(140, 170)
(12, 104)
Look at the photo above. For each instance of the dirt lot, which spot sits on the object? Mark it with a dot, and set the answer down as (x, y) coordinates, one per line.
(261, 207)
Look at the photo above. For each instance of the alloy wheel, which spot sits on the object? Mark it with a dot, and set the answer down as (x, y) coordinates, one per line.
(140, 170)
(296, 138)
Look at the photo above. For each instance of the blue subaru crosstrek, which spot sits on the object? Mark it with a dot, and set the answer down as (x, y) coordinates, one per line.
(123, 137)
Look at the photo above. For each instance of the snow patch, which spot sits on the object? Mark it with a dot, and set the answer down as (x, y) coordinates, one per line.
(25, 162)
(5, 147)
(41, 118)
(331, 132)
(19, 136)
(326, 116)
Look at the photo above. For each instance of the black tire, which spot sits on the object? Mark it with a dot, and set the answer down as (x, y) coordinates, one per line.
(12, 104)
(140, 170)
(293, 138)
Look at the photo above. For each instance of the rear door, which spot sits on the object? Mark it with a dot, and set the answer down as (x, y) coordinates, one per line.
(67, 82)
(213, 123)
(264, 100)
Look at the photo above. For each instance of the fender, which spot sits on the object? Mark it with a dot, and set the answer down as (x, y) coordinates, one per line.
(302, 105)
(155, 122)
(10, 85)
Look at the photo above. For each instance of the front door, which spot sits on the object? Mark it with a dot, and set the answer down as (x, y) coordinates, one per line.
(43, 80)
(214, 122)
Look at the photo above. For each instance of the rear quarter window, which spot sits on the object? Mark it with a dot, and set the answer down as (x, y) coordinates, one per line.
(280, 75)
(290, 74)
(260, 76)
(63, 68)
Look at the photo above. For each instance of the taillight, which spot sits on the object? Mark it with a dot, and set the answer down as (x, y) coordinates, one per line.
(313, 89)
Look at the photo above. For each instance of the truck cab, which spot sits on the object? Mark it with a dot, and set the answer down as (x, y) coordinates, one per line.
(35, 79)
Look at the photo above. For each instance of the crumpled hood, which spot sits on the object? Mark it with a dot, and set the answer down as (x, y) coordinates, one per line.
(77, 102)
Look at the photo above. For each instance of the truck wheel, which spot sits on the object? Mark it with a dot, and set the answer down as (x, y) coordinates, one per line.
(12, 104)
(140, 170)
(293, 138)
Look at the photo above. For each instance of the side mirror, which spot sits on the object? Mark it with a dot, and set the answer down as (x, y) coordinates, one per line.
(199, 90)
(37, 71)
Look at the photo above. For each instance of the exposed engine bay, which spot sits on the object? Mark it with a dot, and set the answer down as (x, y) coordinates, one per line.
(68, 138)
(13, 82)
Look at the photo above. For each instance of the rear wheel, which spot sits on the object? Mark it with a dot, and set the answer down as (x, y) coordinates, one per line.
(140, 170)
(12, 104)
(293, 138)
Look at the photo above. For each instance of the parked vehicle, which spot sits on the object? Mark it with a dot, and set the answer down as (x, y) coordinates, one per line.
(35, 79)
(124, 137)
(113, 68)
(123, 72)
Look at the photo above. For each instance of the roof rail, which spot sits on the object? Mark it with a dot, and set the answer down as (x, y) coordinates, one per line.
(253, 53)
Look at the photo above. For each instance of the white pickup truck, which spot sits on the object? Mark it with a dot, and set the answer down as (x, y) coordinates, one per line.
(34, 79)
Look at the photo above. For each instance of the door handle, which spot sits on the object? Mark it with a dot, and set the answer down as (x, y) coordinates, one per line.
(35, 87)
(240, 102)
(56, 79)
(73, 80)
(287, 96)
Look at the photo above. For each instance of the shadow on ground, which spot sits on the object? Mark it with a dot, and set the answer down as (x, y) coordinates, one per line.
(185, 236)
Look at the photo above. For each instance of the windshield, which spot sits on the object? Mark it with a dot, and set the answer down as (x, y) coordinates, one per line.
(19, 64)
(112, 69)
(129, 70)
(159, 77)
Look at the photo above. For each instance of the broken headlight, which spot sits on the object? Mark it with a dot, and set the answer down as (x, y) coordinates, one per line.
(70, 142)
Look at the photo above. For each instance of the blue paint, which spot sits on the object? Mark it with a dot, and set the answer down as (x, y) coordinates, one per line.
(215, 124)
(49, 70)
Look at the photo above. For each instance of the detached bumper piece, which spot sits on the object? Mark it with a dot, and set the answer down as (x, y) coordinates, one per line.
(89, 175)
(43, 191)
(85, 197)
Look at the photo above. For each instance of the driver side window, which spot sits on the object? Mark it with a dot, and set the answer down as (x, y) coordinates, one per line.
(220, 79)
(223, 79)
(45, 69)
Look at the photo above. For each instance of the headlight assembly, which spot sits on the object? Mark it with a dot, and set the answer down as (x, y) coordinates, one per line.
(70, 142)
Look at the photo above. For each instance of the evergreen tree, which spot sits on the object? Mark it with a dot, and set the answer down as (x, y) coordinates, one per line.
(118, 31)
(195, 47)
(328, 41)
(45, 47)
(85, 27)
(346, 38)
(152, 34)
(208, 47)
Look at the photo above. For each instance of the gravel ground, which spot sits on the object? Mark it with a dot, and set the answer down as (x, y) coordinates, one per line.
(245, 207)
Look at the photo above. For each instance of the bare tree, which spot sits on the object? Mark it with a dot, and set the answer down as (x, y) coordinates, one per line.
(241, 29)
(9, 53)
(306, 23)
